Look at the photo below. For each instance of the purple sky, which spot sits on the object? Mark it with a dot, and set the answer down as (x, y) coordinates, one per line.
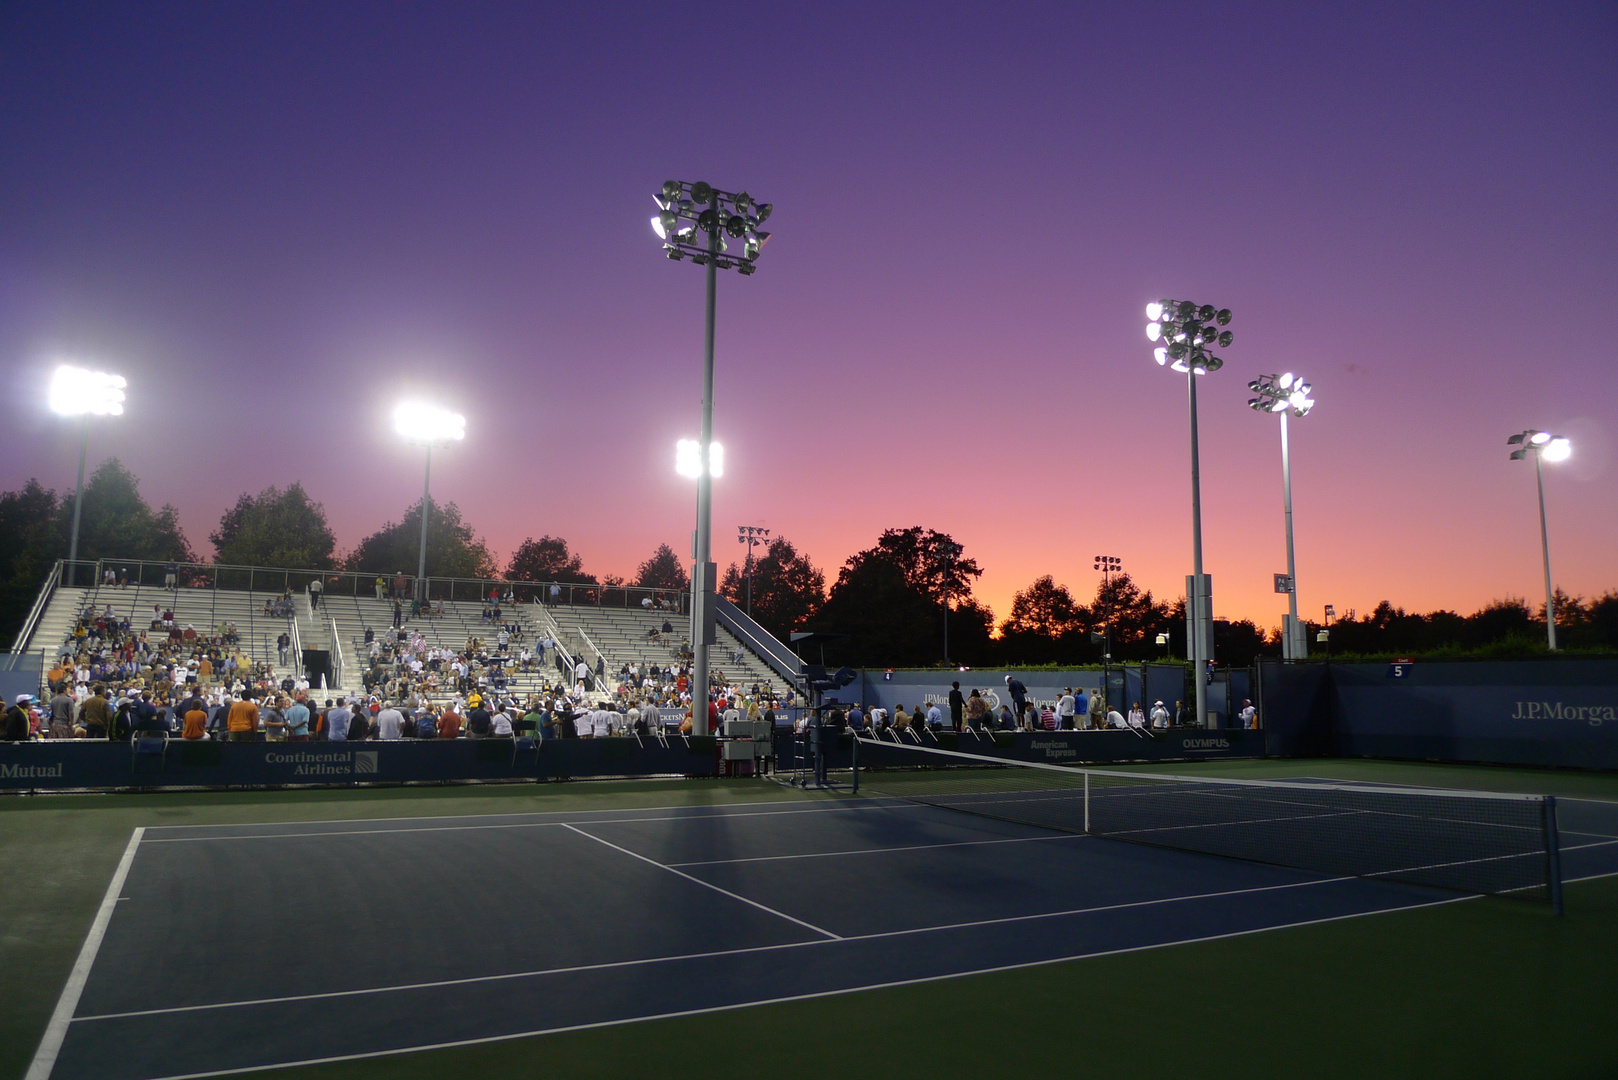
(277, 220)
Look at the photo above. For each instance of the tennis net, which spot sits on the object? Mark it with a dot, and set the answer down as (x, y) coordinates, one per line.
(1468, 841)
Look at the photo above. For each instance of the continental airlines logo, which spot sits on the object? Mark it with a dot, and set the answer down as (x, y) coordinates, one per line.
(1594, 715)
(311, 763)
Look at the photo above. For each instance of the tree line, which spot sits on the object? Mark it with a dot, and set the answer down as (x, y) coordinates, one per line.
(906, 601)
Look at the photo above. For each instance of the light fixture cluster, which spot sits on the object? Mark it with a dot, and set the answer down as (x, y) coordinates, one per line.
(758, 535)
(426, 424)
(688, 458)
(687, 211)
(77, 392)
(1281, 393)
(1549, 447)
(1188, 333)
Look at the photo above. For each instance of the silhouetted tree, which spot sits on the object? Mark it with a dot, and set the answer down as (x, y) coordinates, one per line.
(275, 528)
(547, 559)
(788, 589)
(662, 571)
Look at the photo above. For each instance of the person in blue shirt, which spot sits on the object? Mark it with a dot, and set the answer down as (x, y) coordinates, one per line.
(856, 719)
(1081, 708)
(297, 721)
(1019, 695)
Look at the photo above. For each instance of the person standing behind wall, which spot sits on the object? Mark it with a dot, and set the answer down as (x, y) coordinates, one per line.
(1098, 710)
(957, 706)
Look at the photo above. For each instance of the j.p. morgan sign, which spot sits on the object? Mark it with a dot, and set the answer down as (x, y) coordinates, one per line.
(1594, 715)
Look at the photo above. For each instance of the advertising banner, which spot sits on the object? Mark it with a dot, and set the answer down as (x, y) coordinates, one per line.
(86, 763)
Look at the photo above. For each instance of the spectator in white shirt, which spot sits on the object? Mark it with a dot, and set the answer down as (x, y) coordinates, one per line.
(388, 723)
(1137, 718)
(501, 722)
(1159, 715)
(1116, 719)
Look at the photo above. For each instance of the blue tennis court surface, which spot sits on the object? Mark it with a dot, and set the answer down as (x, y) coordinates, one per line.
(240, 947)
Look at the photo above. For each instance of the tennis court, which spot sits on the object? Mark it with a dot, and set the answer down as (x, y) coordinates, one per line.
(235, 947)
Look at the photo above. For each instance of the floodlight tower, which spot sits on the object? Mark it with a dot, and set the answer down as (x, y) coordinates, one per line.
(1543, 446)
(1108, 565)
(750, 535)
(683, 211)
(1189, 333)
(427, 426)
(1286, 393)
(77, 392)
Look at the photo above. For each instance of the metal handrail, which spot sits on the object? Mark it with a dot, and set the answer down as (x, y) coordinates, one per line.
(297, 644)
(554, 631)
(336, 651)
(765, 645)
(20, 644)
(361, 583)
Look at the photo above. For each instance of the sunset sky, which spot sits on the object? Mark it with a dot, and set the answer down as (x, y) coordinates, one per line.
(278, 220)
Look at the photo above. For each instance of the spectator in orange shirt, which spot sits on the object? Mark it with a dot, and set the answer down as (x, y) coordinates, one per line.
(196, 721)
(449, 724)
(243, 720)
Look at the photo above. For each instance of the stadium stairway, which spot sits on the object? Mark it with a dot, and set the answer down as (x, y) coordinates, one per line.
(624, 635)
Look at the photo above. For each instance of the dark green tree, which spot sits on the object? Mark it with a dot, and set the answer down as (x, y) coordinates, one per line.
(1043, 627)
(547, 559)
(788, 589)
(116, 523)
(275, 528)
(662, 571)
(453, 549)
(27, 550)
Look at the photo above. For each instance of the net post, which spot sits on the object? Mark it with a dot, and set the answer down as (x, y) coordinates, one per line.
(1087, 804)
(1553, 853)
(855, 785)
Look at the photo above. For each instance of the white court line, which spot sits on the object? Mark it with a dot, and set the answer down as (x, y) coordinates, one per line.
(815, 806)
(880, 850)
(524, 824)
(705, 884)
(55, 1031)
(797, 997)
(254, 1002)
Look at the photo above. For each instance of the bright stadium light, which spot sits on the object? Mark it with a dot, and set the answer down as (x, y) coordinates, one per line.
(688, 459)
(1543, 446)
(1190, 333)
(76, 391)
(1283, 394)
(426, 426)
(698, 221)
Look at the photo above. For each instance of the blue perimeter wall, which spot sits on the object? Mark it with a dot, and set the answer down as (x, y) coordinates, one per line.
(1561, 713)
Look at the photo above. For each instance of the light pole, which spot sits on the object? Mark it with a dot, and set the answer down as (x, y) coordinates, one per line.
(685, 210)
(1188, 333)
(1544, 447)
(77, 392)
(1108, 565)
(427, 426)
(750, 535)
(1286, 394)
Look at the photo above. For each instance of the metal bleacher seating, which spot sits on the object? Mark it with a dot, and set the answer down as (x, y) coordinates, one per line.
(624, 635)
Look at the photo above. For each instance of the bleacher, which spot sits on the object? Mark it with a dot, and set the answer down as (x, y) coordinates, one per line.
(204, 609)
(623, 636)
(458, 621)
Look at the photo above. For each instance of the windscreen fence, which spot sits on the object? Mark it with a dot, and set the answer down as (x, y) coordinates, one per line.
(1466, 841)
